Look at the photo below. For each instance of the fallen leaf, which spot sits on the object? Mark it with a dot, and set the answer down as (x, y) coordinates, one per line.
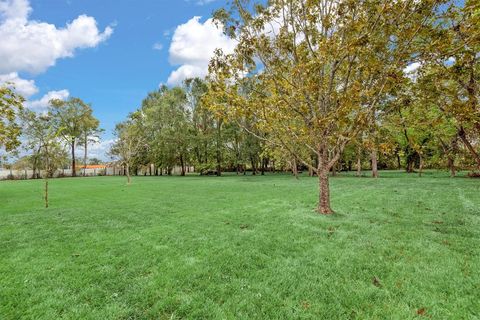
(376, 282)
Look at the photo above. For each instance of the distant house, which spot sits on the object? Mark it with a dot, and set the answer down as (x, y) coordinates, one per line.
(92, 166)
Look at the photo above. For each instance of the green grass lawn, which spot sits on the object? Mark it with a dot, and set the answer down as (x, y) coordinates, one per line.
(245, 247)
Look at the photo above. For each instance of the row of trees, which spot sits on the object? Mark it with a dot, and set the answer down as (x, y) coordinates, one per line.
(73, 123)
(323, 84)
(174, 127)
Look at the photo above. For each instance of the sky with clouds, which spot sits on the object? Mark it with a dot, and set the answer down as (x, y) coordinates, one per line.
(110, 53)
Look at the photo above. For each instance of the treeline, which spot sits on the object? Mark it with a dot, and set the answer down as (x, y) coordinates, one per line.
(175, 128)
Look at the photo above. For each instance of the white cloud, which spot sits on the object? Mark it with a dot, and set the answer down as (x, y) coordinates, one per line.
(193, 45)
(98, 149)
(158, 46)
(24, 87)
(34, 46)
(43, 103)
(201, 2)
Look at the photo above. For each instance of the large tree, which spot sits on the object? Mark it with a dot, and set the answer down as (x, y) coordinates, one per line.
(167, 118)
(321, 70)
(74, 118)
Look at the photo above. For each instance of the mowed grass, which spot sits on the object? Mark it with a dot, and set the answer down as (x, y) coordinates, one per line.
(399, 247)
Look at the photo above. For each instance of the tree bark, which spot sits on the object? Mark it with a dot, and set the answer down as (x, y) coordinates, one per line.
(463, 137)
(182, 164)
(46, 192)
(359, 165)
(310, 172)
(254, 167)
(451, 166)
(324, 196)
(420, 166)
(219, 153)
(374, 164)
(295, 168)
(74, 172)
(85, 157)
(127, 172)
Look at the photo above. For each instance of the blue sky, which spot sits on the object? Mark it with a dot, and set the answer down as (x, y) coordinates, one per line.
(113, 53)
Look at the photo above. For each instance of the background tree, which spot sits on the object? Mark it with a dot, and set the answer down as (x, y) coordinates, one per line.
(11, 104)
(129, 143)
(43, 137)
(74, 117)
(450, 74)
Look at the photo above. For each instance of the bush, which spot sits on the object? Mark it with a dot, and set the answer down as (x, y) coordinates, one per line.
(474, 174)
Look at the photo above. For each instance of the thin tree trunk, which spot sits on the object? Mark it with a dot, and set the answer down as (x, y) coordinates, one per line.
(295, 168)
(127, 172)
(85, 157)
(359, 165)
(463, 136)
(46, 191)
(182, 164)
(451, 166)
(334, 170)
(219, 153)
(420, 166)
(74, 172)
(374, 164)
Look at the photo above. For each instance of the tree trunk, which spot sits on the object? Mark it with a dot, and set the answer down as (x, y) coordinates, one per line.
(374, 164)
(127, 172)
(463, 136)
(451, 166)
(334, 170)
(74, 172)
(420, 166)
(254, 167)
(219, 153)
(324, 196)
(410, 164)
(85, 157)
(310, 172)
(359, 166)
(46, 192)
(295, 168)
(182, 164)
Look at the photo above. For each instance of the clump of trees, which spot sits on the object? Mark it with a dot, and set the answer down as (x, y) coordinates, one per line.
(175, 127)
